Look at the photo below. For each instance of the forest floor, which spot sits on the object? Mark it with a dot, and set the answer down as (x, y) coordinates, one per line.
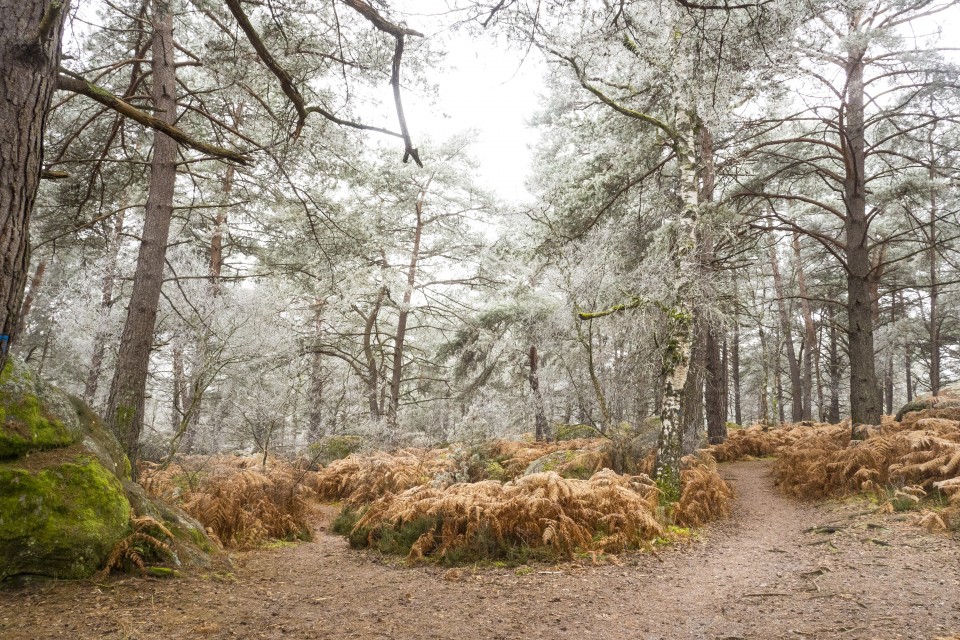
(764, 573)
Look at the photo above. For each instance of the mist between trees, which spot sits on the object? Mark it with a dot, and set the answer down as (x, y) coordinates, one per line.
(742, 212)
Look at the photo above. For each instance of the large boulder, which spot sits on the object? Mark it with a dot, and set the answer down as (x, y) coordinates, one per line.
(65, 488)
(62, 504)
(948, 398)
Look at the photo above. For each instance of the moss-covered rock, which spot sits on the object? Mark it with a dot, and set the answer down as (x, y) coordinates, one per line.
(190, 546)
(564, 432)
(570, 463)
(66, 497)
(61, 513)
(330, 448)
(949, 397)
(33, 416)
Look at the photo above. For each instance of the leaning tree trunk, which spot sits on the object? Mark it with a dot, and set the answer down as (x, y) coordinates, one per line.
(786, 330)
(396, 377)
(29, 59)
(125, 407)
(864, 397)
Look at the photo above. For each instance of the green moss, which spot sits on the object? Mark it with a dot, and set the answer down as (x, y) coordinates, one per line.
(24, 425)
(61, 521)
(495, 471)
(331, 448)
(564, 432)
(162, 572)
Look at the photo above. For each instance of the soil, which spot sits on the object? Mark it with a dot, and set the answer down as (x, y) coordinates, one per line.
(776, 569)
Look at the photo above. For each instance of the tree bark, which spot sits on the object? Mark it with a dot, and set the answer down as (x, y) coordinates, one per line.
(934, 326)
(715, 390)
(735, 374)
(35, 283)
(786, 332)
(864, 397)
(540, 416)
(125, 407)
(393, 408)
(833, 415)
(811, 352)
(30, 35)
(693, 391)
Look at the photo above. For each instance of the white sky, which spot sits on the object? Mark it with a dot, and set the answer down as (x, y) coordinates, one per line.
(493, 91)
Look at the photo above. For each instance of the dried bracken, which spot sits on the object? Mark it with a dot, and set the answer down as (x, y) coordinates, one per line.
(608, 512)
(143, 545)
(240, 501)
(755, 442)
(359, 479)
(705, 496)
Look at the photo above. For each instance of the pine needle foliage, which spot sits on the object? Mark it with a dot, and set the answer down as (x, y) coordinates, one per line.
(239, 500)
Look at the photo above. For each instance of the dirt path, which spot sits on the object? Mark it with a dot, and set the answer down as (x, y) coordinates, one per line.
(758, 575)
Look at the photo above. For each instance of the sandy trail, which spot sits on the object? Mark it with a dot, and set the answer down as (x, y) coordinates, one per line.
(761, 574)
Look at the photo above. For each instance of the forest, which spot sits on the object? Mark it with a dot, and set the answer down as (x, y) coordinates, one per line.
(286, 352)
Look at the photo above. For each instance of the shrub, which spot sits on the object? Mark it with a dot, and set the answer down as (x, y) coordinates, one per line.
(239, 500)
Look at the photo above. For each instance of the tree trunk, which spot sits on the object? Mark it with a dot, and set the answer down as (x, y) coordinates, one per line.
(786, 332)
(681, 318)
(715, 389)
(315, 427)
(127, 392)
(373, 369)
(934, 326)
(693, 396)
(833, 415)
(811, 354)
(397, 373)
(540, 416)
(29, 59)
(864, 397)
(106, 304)
(35, 282)
(735, 374)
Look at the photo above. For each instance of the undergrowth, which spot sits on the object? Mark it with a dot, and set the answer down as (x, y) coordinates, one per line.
(240, 501)
(538, 516)
(913, 465)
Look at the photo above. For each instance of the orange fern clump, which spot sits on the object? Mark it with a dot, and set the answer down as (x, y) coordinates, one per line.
(240, 501)
(141, 546)
(704, 494)
(609, 512)
(755, 442)
(825, 461)
(358, 479)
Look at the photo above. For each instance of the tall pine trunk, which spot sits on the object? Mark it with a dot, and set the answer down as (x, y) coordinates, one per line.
(29, 59)
(125, 408)
(786, 332)
(864, 397)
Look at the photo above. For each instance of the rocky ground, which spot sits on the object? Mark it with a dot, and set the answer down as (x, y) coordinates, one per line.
(776, 569)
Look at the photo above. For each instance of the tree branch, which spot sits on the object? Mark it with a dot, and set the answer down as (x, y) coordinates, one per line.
(104, 97)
